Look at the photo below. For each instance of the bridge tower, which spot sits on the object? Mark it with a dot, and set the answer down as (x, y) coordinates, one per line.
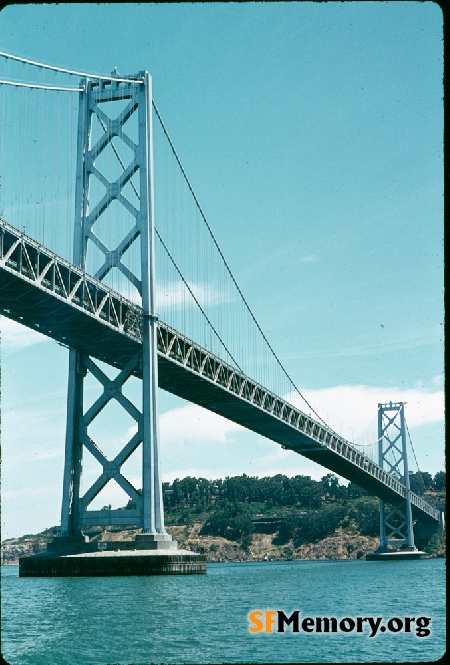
(396, 526)
(115, 112)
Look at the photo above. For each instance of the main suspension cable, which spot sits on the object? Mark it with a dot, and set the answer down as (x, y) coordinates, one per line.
(244, 300)
(68, 71)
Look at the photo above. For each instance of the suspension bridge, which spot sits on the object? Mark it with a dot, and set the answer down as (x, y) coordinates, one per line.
(111, 255)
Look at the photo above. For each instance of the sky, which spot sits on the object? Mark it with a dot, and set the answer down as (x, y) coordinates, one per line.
(312, 134)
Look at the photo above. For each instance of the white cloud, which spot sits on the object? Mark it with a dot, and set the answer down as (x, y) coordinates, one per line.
(193, 423)
(11, 462)
(176, 294)
(350, 409)
(16, 337)
(437, 382)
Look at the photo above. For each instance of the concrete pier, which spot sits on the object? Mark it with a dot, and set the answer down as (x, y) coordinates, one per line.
(113, 563)
(397, 555)
(148, 554)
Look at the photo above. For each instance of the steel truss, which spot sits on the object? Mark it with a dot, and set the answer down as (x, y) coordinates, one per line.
(24, 256)
(193, 358)
(23, 261)
(396, 526)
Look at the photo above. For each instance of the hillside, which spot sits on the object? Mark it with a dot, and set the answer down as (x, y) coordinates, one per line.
(343, 544)
(250, 519)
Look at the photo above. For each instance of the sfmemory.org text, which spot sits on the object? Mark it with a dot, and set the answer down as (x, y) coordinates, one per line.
(276, 621)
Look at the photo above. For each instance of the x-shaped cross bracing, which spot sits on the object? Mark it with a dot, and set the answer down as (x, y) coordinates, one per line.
(111, 469)
(114, 191)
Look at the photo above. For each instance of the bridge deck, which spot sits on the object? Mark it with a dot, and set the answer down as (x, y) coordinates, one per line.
(46, 293)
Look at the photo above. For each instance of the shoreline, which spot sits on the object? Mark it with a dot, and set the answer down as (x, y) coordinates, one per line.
(239, 561)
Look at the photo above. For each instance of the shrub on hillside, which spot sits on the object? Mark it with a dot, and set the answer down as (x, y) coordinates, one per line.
(286, 530)
(365, 513)
(436, 544)
(317, 525)
(227, 526)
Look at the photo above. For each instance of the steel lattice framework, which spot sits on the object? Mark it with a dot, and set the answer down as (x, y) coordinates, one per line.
(396, 526)
(122, 99)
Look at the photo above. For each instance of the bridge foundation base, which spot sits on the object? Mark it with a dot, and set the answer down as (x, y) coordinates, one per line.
(113, 563)
(148, 554)
(397, 555)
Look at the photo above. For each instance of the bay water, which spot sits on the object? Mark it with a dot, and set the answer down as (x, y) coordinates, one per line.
(205, 618)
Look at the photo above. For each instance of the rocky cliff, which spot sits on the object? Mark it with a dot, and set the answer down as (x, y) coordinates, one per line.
(345, 543)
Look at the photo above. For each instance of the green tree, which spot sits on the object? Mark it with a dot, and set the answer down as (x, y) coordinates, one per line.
(427, 479)
(286, 530)
(308, 492)
(422, 481)
(355, 491)
(416, 483)
(317, 525)
(436, 544)
(439, 481)
(365, 513)
(330, 484)
(227, 524)
(239, 527)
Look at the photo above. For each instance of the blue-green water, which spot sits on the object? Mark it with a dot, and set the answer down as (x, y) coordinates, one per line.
(204, 619)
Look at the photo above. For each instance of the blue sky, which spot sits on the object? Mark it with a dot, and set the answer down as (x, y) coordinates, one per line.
(312, 134)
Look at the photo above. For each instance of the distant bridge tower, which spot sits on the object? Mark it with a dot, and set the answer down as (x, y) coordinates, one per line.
(112, 215)
(396, 526)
